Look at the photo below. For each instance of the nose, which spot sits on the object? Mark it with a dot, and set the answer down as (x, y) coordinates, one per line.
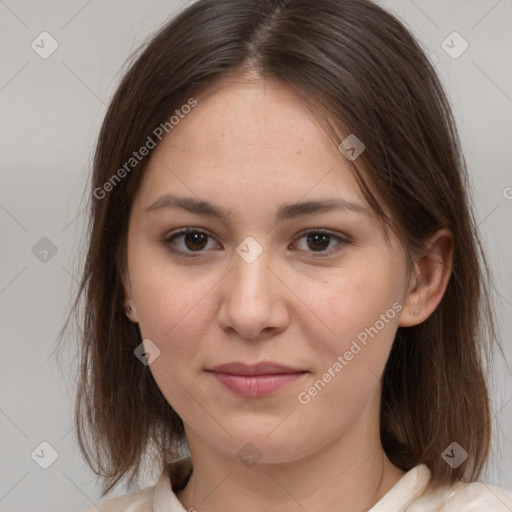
(253, 299)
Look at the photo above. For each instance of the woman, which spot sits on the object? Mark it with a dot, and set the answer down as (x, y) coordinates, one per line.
(283, 273)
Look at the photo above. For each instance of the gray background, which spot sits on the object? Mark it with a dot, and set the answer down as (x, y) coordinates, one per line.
(51, 110)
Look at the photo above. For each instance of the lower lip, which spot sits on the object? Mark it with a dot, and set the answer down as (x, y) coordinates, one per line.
(256, 385)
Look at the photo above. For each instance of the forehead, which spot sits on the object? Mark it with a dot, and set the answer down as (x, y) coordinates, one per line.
(254, 138)
(253, 112)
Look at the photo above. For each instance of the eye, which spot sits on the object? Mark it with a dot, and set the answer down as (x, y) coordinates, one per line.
(194, 240)
(319, 241)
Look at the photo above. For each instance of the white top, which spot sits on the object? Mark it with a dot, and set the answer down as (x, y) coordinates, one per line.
(406, 496)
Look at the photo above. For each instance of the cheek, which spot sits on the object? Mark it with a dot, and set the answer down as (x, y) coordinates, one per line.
(358, 303)
(361, 309)
(363, 312)
(175, 312)
(164, 293)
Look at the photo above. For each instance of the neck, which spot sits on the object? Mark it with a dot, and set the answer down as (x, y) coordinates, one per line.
(352, 473)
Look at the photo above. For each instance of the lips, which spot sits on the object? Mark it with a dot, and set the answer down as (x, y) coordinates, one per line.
(263, 368)
(257, 380)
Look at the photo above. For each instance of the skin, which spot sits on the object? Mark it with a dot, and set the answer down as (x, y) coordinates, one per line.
(249, 146)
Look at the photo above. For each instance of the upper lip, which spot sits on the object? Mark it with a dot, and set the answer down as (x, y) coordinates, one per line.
(263, 368)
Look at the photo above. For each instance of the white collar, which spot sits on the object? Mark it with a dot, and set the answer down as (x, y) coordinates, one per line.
(402, 494)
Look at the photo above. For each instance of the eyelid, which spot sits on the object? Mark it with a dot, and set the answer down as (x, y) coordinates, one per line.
(343, 240)
(308, 231)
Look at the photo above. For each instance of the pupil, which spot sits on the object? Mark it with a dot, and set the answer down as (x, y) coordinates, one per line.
(322, 237)
(195, 238)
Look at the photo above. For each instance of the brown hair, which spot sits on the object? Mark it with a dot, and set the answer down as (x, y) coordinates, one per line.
(362, 72)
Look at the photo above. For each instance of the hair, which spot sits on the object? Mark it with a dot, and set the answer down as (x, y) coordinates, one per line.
(362, 72)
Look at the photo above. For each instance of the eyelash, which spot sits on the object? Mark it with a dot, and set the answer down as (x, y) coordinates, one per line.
(342, 241)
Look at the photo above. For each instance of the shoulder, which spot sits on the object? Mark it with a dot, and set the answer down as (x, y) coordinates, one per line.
(156, 498)
(468, 497)
(140, 501)
(414, 493)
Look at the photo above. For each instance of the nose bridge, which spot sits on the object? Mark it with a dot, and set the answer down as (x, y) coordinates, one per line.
(250, 304)
(251, 269)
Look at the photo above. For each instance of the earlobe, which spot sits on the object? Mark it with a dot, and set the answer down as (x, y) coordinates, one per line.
(131, 312)
(432, 271)
(129, 306)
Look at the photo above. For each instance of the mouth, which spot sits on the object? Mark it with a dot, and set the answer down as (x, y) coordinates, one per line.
(257, 380)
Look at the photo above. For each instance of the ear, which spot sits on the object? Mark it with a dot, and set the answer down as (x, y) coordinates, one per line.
(129, 305)
(429, 279)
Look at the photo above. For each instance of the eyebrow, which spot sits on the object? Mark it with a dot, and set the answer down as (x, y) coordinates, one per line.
(285, 212)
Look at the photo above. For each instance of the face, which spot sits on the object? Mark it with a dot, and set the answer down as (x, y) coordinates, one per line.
(273, 320)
